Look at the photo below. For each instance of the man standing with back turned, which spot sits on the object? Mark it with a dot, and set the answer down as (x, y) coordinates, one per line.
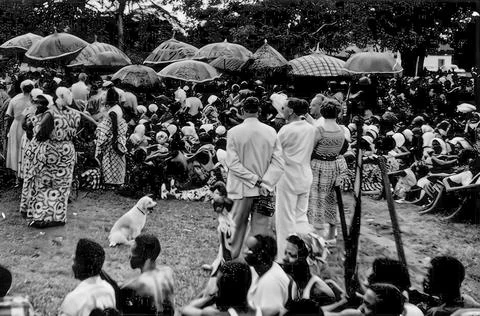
(255, 164)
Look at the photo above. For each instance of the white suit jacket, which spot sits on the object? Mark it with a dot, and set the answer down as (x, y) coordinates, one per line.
(253, 153)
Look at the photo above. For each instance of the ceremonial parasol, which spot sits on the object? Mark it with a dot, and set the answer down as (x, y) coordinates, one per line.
(267, 57)
(317, 65)
(190, 70)
(171, 51)
(100, 54)
(372, 63)
(20, 44)
(137, 76)
(229, 63)
(54, 46)
(215, 50)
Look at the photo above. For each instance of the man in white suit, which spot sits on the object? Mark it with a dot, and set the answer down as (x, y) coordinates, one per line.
(255, 164)
(297, 139)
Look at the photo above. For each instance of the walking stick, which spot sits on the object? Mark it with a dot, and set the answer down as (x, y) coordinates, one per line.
(341, 211)
(382, 163)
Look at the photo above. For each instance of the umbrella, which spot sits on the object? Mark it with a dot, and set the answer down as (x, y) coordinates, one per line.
(215, 50)
(55, 46)
(190, 70)
(137, 76)
(317, 65)
(100, 54)
(267, 57)
(171, 51)
(229, 63)
(20, 44)
(372, 63)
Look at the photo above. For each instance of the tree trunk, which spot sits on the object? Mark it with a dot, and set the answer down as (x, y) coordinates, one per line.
(120, 12)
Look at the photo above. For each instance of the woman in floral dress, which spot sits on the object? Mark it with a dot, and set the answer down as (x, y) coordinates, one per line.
(51, 169)
(111, 142)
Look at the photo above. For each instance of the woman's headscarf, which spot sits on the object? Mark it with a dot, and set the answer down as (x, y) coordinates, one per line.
(64, 94)
(442, 144)
(399, 139)
(427, 139)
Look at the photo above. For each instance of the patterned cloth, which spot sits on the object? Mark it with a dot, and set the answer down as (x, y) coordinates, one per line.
(113, 164)
(317, 65)
(48, 180)
(30, 118)
(4, 100)
(15, 306)
(322, 200)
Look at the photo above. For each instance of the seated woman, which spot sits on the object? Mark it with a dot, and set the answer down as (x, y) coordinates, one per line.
(295, 264)
(233, 282)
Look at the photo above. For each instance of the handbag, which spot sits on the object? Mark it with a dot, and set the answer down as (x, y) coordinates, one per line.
(264, 205)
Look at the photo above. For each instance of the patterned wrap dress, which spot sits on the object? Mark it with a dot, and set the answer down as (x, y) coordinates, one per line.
(49, 176)
(327, 168)
(113, 164)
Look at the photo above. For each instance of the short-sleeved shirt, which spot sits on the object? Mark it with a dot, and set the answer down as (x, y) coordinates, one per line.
(15, 306)
(194, 105)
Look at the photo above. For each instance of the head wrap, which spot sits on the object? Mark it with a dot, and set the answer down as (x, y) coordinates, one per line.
(442, 144)
(140, 130)
(35, 93)
(211, 99)
(65, 94)
(399, 139)
(141, 109)
(427, 128)
(220, 130)
(153, 107)
(408, 134)
(207, 127)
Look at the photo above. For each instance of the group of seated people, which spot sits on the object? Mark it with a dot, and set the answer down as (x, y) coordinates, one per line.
(256, 284)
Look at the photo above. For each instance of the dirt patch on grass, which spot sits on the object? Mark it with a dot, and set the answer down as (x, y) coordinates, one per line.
(41, 259)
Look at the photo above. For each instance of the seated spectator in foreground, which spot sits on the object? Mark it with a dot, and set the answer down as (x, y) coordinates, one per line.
(295, 264)
(233, 282)
(151, 293)
(271, 287)
(389, 271)
(92, 292)
(12, 305)
(444, 279)
(379, 300)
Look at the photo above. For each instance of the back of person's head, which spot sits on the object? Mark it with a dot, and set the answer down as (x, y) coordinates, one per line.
(112, 96)
(89, 259)
(149, 245)
(304, 307)
(106, 312)
(330, 108)
(5, 281)
(300, 244)
(299, 106)
(82, 76)
(390, 271)
(389, 299)
(233, 285)
(446, 275)
(266, 248)
(251, 105)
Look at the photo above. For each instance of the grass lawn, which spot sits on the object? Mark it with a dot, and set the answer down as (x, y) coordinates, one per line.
(41, 259)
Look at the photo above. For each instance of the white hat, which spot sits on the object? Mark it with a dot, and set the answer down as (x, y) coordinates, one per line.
(26, 83)
(143, 121)
(466, 108)
(211, 99)
(207, 127)
(35, 93)
(141, 109)
(153, 107)
(408, 134)
(186, 88)
(57, 80)
(399, 139)
(221, 130)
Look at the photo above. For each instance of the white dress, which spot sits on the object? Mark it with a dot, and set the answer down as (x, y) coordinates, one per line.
(16, 109)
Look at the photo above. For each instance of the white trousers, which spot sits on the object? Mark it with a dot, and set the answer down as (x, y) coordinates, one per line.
(290, 217)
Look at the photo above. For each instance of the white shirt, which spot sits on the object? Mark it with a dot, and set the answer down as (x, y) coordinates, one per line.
(80, 91)
(194, 105)
(269, 292)
(297, 140)
(91, 293)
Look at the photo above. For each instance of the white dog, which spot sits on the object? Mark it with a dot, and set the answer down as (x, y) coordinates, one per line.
(130, 225)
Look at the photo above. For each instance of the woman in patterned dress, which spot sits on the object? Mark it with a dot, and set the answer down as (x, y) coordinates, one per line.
(111, 142)
(32, 126)
(327, 170)
(51, 167)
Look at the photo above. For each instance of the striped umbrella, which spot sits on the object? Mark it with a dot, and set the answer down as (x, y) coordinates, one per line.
(171, 51)
(317, 65)
(20, 44)
(190, 70)
(55, 46)
(267, 57)
(100, 54)
(215, 50)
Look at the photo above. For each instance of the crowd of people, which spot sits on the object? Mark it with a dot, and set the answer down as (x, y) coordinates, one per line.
(268, 159)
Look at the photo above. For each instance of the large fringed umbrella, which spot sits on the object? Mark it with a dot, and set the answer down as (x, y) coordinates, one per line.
(100, 55)
(171, 51)
(190, 70)
(229, 63)
(267, 57)
(20, 44)
(373, 63)
(317, 65)
(137, 76)
(55, 46)
(231, 50)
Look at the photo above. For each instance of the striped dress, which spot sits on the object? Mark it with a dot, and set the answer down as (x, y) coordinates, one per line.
(327, 167)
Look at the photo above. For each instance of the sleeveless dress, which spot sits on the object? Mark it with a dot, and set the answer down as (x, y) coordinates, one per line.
(15, 109)
(326, 169)
(51, 170)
